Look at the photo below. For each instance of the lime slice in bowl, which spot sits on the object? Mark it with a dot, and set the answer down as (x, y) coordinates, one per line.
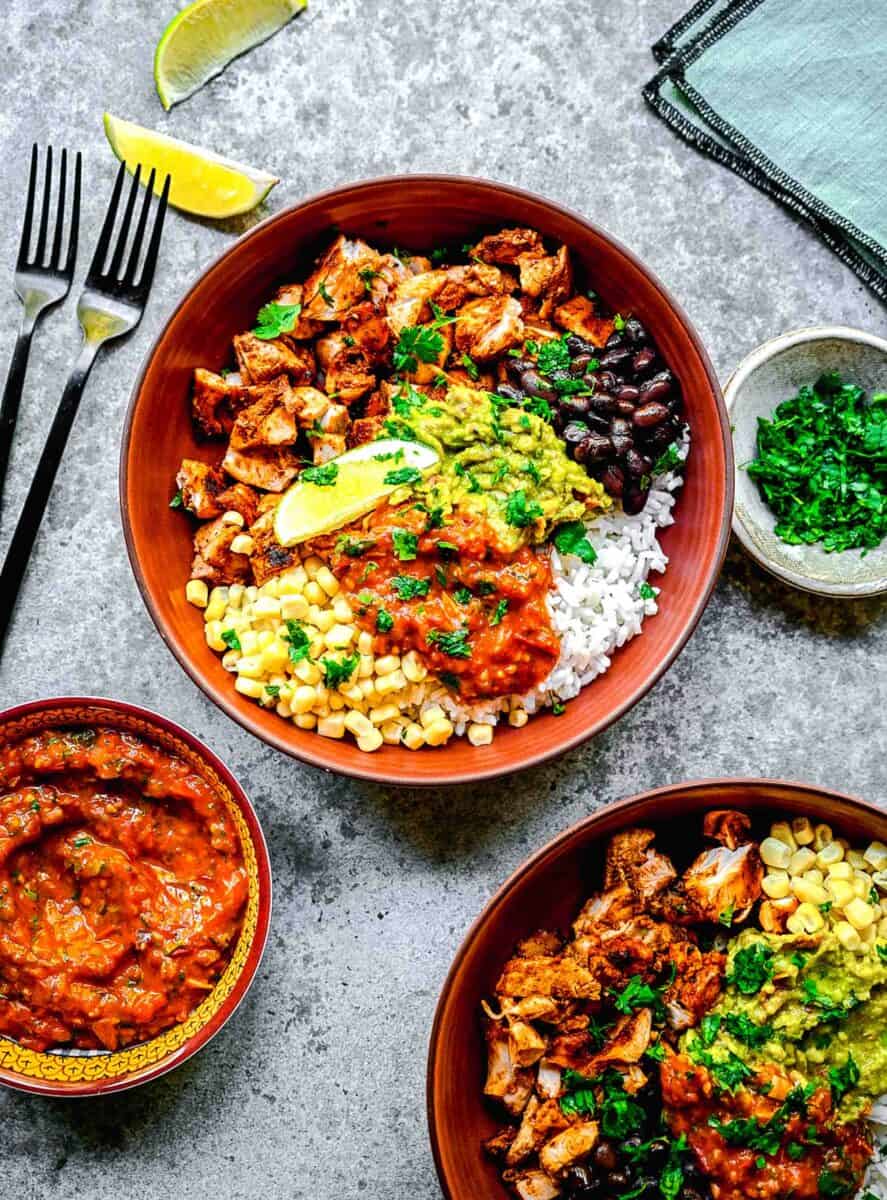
(326, 498)
(203, 38)
(202, 182)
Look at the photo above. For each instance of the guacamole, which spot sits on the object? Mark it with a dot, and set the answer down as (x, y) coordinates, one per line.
(504, 463)
(807, 1004)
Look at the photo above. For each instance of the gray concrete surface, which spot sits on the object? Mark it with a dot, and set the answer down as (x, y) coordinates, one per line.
(316, 1088)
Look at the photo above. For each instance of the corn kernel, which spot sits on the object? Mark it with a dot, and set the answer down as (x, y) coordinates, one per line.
(776, 885)
(413, 736)
(387, 663)
(413, 668)
(249, 687)
(304, 698)
(518, 717)
(292, 582)
(829, 854)
(805, 919)
(327, 581)
(230, 659)
(882, 927)
(383, 712)
(840, 891)
(342, 610)
(358, 724)
(274, 656)
(856, 859)
(340, 637)
(312, 565)
(807, 892)
(305, 720)
(814, 875)
(848, 936)
(336, 701)
(438, 732)
(775, 852)
(197, 593)
(879, 879)
(283, 709)
(822, 836)
(322, 618)
(213, 634)
(332, 726)
(307, 672)
(235, 595)
(869, 935)
(218, 602)
(840, 870)
(370, 741)
(859, 914)
(480, 735)
(250, 667)
(386, 684)
(782, 832)
(267, 607)
(875, 855)
(242, 543)
(774, 913)
(367, 666)
(802, 831)
(861, 887)
(314, 593)
(802, 860)
(365, 643)
(433, 713)
(391, 732)
(249, 641)
(351, 692)
(368, 690)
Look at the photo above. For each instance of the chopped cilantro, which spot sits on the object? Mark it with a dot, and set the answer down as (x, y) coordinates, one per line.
(519, 511)
(384, 620)
(178, 500)
(745, 1030)
(647, 593)
(354, 547)
(832, 1010)
(338, 671)
(83, 840)
(403, 475)
(572, 538)
(419, 343)
(324, 476)
(406, 544)
(462, 595)
(367, 275)
(452, 642)
(558, 708)
(619, 322)
(445, 549)
(450, 680)
(230, 638)
(752, 967)
(409, 587)
(553, 355)
(324, 294)
(407, 399)
(725, 917)
(539, 407)
(668, 460)
(843, 1079)
(273, 690)
(471, 367)
(499, 612)
(299, 642)
(275, 319)
(578, 1099)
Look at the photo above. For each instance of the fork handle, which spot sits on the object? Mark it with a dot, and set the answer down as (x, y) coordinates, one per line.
(12, 395)
(19, 552)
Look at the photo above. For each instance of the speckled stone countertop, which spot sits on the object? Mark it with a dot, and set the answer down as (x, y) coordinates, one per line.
(316, 1088)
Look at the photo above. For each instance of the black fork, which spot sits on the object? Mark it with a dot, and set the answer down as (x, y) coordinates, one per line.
(111, 305)
(41, 281)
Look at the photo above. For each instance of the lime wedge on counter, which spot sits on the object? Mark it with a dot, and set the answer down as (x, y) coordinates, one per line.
(202, 182)
(347, 487)
(203, 38)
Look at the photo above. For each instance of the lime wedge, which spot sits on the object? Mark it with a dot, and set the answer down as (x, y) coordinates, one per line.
(202, 182)
(349, 486)
(203, 38)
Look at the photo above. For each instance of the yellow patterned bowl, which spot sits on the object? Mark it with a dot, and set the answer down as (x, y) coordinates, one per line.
(72, 1072)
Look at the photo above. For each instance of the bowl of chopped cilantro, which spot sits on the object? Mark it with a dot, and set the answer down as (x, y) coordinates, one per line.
(809, 416)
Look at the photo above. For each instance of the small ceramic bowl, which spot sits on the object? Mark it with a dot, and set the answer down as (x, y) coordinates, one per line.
(73, 1073)
(769, 375)
(547, 893)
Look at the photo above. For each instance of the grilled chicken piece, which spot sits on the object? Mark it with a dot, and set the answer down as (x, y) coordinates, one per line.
(565, 1148)
(728, 827)
(540, 1122)
(497, 1145)
(267, 421)
(261, 359)
(578, 316)
(365, 429)
(506, 246)
(269, 558)
(476, 279)
(559, 976)
(409, 303)
(214, 403)
(304, 328)
(327, 446)
(214, 559)
(207, 492)
(268, 468)
(309, 405)
(506, 1081)
(369, 330)
(633, 863)
(532, 1185)
(336, 284)
(349, 376)
(698, 980)
(627, 1043)
(527, 1046)
(548, 279)
(427, 372)
(489, 326)
(720, 883)
(607, 910)
(548, 1079)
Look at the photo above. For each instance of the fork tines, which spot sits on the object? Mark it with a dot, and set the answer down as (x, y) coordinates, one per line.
(38, 261)
(131, 284)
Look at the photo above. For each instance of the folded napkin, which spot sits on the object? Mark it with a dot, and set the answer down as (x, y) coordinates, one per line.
(792, 96)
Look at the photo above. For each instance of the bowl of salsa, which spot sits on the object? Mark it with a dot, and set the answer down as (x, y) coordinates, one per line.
(135, 896)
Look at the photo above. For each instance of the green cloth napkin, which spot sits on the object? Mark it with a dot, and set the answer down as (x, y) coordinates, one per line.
(792, 95)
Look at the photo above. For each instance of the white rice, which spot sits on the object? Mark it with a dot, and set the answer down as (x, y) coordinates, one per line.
(876, 1177)
(595, 608)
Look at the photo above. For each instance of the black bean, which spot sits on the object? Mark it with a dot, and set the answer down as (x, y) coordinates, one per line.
(594, 421)
(643, 360)
(614, 340)
(628, 392)
(620, 435)
(656, 440)
(534, 385)
(637, 464)
(634, 331)
(579, 364)
(578, 1175)
(619, 1180)
(594, 447)
(510, 393)
(575, 432)
(655, 389)
(649, 414)
(603, 403)
(603, 381)
(690, 1193)
(578, 345)
(634, 498)
(616, 358)
(517, 366)
(605, 1156)
(613, 479)
(625, 408)
(578, 406)
(657, 1153)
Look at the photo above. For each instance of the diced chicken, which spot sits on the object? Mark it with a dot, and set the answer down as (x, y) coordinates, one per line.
(574, 1143)
(578, 316)
(497, 1146)
(339, 279)
(606, 910)
(633, 863)
(627, 1043)
(527, 1046)
(506, 1081)
(525, 1142)
(532, 1185)
(720, 885)
(335, 419)
(633, 1080)
(207, 492)
(349, 375)
(268, 421)
(261, 359)
(369, 330)
(543, 941)
(427, 372)
(327, 446)
(409, 304)
(489, 326)
(475, 279)
(365, 429)
(271, 468)
(561, 976)
(269, 558)
(507, 246)
(549, 279)
(728, 827)
(698, 980)
(548, 1079)
(214, 403)
(214, 560)
(304, 328)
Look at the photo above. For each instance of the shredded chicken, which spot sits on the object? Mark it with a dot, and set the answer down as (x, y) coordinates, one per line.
(633, 863)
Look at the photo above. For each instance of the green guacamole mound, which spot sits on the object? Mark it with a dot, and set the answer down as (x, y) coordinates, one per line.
(503, 463)
(807, 1004)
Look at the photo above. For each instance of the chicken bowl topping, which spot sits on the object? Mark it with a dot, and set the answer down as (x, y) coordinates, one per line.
(454, 466)
(674, 1044)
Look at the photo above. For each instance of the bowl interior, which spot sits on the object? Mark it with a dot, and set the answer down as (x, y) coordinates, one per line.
(78, 1073)
(547, 893)
(417, 213)
(774, 373)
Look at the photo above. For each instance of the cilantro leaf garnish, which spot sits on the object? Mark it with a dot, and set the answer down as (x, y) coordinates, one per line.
(384, 621)
(419, 343)
(572, 538)
(338, 671)
(553, 355)
(406, 544)
(275, 319)
(403, 475)
(299, 642)
(230, 638)
(519, 511)
(409, 587)
(752, 967)
(452, 642)
(324, 476)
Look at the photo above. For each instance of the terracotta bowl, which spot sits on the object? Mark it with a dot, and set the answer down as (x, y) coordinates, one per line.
(417, 212)
(90, 1073)
(547, 893)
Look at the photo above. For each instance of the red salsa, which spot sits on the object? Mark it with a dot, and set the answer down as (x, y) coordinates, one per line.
(122, 890)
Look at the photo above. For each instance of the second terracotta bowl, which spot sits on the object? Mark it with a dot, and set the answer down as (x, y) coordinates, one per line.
(547, 893)
(416, 212)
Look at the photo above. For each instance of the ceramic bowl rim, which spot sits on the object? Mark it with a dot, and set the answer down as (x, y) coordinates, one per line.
(247, 976)
(556, 746)
(742, 372)
(577, 831)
